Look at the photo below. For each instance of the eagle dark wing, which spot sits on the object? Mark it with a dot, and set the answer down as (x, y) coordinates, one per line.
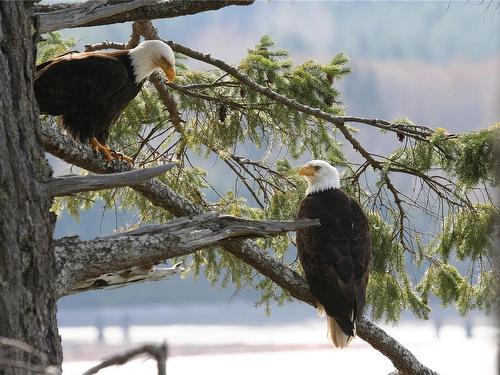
(361, 252)
(78, 82)
(334, 256)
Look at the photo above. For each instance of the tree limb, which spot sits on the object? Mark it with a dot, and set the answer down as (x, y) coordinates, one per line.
(103, 12)
(161, 195)
(79, 260)
(78, 14)
(158, 352)
(83, 156)
(67, 185)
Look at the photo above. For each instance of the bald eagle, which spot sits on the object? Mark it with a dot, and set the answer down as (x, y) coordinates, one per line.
(91, 89)
(336, 255)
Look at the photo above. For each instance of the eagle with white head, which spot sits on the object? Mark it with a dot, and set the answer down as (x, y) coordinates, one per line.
(90, 90)
(336, 255)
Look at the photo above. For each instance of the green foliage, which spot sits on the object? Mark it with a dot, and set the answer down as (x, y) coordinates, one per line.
(445, 282)
(223, 122)
(476, 159)
(53, 45)
(390, 291)
(468, 232)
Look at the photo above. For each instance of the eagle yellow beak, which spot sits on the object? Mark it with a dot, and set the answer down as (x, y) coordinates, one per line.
(170, 73)
(307, 170)
(168, 69)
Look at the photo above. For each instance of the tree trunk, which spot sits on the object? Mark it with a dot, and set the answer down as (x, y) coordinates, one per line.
(27, 262)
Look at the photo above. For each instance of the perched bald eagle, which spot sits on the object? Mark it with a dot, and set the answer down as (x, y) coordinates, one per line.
(91, 89)
(336, 255)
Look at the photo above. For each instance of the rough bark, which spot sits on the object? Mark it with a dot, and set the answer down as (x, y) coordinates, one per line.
(27, 263)
(78, 260)
(162, 196)
(93, 13)
(83, 13)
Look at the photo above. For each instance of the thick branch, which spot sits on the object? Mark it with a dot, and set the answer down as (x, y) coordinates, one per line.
(101, 12)
(78, 14)
(67, 185)
(79, 260)
(162, 196)
(400, 357)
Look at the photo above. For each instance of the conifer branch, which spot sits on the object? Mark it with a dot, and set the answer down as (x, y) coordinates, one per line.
(416, 132)
(162, 196)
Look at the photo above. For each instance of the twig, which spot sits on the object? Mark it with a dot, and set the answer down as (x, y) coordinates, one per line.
(417, 132)
(158, 352)
(104, 45)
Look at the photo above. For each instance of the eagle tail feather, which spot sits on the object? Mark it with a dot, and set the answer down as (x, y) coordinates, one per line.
(320, 310)
(336, 334)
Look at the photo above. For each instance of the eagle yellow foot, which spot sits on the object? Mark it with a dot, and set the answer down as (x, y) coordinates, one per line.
(103, 149)
(122, 157)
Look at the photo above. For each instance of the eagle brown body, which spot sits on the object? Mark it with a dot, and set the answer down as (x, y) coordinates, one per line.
(336, 257)
(90, 90)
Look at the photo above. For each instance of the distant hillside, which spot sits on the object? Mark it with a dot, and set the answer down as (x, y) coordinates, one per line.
(459, 95)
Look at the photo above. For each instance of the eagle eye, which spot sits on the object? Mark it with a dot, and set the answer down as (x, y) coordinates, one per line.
(317, 167)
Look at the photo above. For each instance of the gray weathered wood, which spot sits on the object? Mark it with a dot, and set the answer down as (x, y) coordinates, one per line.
(128, 276)
(78, 261)
(67, 185)
(78, 14)
(58, 16)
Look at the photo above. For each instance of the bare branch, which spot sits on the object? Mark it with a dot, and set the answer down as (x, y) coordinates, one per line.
(126, 277)
(68, 185)
(158, 352)
(100, 12)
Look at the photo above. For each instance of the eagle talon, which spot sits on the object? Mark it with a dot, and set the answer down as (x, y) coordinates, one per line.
(103, 149)
(121, 157)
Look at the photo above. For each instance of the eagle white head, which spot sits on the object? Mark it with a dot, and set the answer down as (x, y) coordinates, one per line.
(320, 176)
(152, 55)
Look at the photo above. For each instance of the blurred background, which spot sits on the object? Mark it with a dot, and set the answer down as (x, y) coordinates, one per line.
(436, 63)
